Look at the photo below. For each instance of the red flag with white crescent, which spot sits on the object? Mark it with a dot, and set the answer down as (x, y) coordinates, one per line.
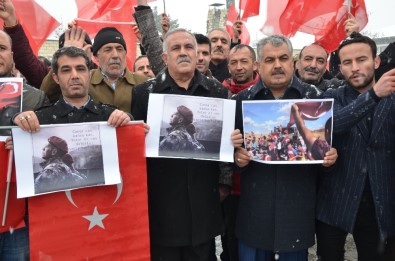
(98, 223)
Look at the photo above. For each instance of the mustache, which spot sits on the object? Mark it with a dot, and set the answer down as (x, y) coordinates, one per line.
(183, 59)
(74, 82)
(313, 70)
(278, 71)
(115, 61)
(218, 49)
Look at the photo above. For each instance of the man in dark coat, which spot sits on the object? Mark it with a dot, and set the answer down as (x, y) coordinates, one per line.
(184, 206)
(276, 214)
(358, 197)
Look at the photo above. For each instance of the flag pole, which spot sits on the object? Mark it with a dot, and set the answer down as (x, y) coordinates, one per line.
(7, 192)
(349, 6)
(164, 7)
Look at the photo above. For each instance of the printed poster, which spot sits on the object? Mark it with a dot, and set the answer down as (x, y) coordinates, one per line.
(190, 127)
(65, 156)
(288, 131)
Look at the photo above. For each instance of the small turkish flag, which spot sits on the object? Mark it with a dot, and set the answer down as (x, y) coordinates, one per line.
(98, 223)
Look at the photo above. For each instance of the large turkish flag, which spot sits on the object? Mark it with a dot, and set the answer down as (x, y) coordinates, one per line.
(98, 223)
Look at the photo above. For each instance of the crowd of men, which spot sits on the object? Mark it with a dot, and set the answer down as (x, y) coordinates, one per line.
(262, 211)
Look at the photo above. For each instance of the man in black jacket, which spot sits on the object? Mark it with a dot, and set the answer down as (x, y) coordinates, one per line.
(184, 206)
(358, 197)
(276, 214)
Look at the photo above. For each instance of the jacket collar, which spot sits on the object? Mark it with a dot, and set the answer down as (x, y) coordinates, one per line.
(63, 108)
(260, 86)
(98, 77)
(164, 81)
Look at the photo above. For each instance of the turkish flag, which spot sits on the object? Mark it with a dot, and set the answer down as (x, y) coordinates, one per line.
(233, 15)
(273, 11)
(37, 23)
(16, 207)
(250, 7)
(324, 19)
(98, 223)
(331, 36)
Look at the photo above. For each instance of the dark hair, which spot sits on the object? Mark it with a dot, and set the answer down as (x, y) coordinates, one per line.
(69, 51)
(359, 38)
(45, 60)
(202, 39)
(317, 44)
(241, 46)
(135, 61)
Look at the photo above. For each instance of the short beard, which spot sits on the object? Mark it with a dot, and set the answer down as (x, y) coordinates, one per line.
(365, 84)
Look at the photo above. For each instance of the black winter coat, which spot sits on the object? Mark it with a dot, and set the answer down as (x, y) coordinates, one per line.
(277, 202)
(183, 197)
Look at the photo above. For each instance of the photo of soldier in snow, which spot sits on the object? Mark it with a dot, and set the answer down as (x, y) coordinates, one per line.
(57, 171)
(190, 129)
(67, 157)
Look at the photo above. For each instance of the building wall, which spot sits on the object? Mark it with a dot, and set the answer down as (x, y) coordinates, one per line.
(48, 48)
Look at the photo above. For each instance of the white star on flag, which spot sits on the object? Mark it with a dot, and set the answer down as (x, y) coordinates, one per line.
(95, 219)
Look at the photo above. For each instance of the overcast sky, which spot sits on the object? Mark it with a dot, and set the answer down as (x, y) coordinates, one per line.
(192, 15)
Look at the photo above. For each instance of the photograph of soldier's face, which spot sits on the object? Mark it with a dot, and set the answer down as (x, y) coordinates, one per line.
(48, 152)
(67, 159)
(190, 129)
(175, 119)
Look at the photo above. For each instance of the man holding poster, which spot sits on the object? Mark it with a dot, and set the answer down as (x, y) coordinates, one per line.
(184, 204)
(276, 215)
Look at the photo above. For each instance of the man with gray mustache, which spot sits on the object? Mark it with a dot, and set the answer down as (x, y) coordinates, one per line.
(183, 194)
(276, 214)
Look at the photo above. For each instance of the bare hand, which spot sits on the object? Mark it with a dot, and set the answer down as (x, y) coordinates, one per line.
(165, 23)
(351, 25)
(146, 128)
(237, 29)
(27, 121)
(7, 13)
(242, 157)
(75, 37)
(9, 145)
(386, 84)
(237, 138)
(330, 157)
(118, 118)
(136, 31)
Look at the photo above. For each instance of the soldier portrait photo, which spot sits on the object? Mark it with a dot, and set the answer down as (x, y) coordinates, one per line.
(66, 161)
(190, 128)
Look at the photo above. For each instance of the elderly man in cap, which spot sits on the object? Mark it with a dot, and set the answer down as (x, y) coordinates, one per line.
(56, 174)
(178, 138)
(113, 81)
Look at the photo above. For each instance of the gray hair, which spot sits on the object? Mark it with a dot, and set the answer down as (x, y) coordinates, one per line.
(275, 40)
(222, 30)
(177, 30)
